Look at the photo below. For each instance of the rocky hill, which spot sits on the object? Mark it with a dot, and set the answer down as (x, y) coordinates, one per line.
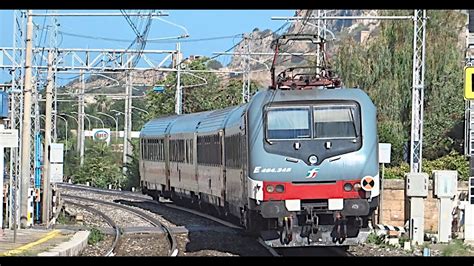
(260, 41)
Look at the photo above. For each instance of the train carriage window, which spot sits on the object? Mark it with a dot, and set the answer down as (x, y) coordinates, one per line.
(333, 121)
(156, 150)
(153, 149)
(209, 150)
(233, 157)
(150, 149)
(177, 153)
(189, 151)
(147, 157)
(147, 144)
(162, 150)
(191, 148)
(288, 122)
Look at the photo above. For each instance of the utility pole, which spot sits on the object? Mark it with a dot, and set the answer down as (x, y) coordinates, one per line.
(246, 74)
(127, 130)
(179, 93)
(47, 141)
(53, 43)
(318, 46)
(416, 143)
(26, 129)
(80, 119)
(321, 47)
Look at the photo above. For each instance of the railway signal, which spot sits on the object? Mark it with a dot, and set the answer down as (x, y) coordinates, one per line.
(468, 84)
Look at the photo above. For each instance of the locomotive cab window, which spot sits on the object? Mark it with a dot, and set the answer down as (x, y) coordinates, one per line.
(288, 122)
(336, 121)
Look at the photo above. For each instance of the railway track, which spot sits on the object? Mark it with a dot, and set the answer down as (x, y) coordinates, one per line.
(173, 251)
(143, 199)
(112, 250)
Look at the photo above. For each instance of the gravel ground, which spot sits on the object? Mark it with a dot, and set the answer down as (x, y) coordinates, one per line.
(121, 217)
(378, 251)
(100, 248)
(205, 237)
(112, 198)
(218, 244)
(90, 219)
(143, 245)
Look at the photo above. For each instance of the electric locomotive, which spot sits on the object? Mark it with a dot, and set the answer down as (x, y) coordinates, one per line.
(296, 165)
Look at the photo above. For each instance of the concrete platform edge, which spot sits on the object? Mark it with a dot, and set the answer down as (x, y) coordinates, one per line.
(70, 248)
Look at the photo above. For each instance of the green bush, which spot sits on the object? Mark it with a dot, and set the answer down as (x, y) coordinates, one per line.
(373, 238)
(101, 167)
(452, 161)
(95, 236)
(456, 248)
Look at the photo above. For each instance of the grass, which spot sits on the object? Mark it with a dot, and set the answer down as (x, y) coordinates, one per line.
(373, 238)
(456, 248)
(63, 218)
(402, 239)
(95, 236)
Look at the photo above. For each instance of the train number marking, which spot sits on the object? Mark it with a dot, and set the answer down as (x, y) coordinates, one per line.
(259, 169)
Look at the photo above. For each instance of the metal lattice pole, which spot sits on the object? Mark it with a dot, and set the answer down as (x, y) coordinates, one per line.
(179, 93)
(127, 130)
(318, 47)
(246, 71)
(469, 104)
(80, 118)
(416, 141)
(16, 110)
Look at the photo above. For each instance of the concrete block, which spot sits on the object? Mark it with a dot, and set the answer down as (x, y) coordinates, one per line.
(79, 217)
(406, 245)
(393, 241)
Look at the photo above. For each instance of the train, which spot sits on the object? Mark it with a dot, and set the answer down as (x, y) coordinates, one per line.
(297, 167)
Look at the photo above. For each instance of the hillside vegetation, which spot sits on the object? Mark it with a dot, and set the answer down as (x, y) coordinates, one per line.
(383, 68)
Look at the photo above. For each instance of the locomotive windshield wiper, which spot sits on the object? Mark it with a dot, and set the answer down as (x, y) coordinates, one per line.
(353, 122)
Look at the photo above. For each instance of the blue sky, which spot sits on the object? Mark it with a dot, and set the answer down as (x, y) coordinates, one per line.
(199, 24)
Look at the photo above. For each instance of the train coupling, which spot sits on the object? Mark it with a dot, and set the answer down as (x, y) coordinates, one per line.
(286, 235)
(339, 231)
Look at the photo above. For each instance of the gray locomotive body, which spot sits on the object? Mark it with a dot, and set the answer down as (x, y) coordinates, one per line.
(298, 167)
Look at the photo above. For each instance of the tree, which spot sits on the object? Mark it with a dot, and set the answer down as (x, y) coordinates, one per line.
(214, 64)
(201, 92)
(383, 68)
(101, 167)
(133, 171)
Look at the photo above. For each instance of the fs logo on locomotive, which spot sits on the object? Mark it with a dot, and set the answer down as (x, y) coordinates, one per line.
(313, 173)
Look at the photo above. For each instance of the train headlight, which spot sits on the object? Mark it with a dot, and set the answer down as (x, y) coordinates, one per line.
(313, 159)
(347, 187)
(280, 188)
(270, 188)
(357, 187)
